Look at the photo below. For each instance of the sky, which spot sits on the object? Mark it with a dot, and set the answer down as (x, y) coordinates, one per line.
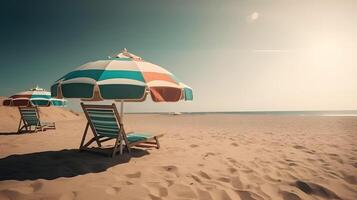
(237, 55)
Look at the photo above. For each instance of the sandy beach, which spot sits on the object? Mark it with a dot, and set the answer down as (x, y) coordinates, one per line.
(227, 100)
(208, 156)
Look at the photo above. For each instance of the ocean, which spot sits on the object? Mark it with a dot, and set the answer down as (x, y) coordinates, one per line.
(296, 113)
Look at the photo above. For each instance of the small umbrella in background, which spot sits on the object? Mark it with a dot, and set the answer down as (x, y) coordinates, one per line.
(125, 78)
(34, 97)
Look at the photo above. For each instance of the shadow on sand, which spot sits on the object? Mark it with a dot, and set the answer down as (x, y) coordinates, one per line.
(55, 164)
(9, 133)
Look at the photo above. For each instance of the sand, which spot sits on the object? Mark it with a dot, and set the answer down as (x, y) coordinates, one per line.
(212, 156)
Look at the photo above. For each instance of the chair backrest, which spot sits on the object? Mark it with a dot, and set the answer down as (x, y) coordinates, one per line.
(30, 115)
(104, 119)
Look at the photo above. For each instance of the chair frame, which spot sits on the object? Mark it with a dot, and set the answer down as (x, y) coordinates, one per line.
(27, 127)
(119, 140)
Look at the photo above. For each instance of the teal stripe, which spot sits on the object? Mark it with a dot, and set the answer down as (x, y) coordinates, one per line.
(110, 126)
(100, 112)
(77, 90)
(135, 138)
(58, 103)
(100, 74)
(94, 74)
(31, 124)
(28, 113)
(40, 102)
(105, 119)
(111, 131)
(41, 96)
(99, 122)
(110, 74)
(28, 109)
(121, 59)
(104, 129)
(147, 135)
(108, 134)
(122, 91)
(188, 94)
(31, 120)
(102, 116)
(30, 116)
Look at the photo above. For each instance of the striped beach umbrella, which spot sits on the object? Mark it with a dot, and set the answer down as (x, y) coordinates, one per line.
(124, 77)
(34, 97)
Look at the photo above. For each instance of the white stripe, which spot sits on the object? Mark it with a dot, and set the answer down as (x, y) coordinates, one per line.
(32, 99)
(117, 81)
(185, 86)
(123, 65)
(110, 65)
(100, 64)
(149, 67)
(54, 99)
(80, 80)
(45, 93)
(22, 98)
(163, 84)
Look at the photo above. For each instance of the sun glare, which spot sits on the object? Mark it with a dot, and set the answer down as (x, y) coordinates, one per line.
(324, 49)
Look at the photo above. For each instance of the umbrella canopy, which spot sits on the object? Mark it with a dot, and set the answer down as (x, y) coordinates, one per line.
(33, 97)
(124, 77)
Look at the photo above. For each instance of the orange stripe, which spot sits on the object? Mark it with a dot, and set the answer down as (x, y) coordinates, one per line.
(165, 94)
(7, 102)
(154, 76)
(21, 102)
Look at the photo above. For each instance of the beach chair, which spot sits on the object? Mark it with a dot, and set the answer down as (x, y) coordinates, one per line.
(30, 117)
(106, 124)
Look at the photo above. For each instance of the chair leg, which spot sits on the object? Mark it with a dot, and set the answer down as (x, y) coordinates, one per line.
(97, 139)
(157, 142)
(127, 145)
(121, 144)
(88, 143)
(26, 127)
(19, 128)
(84, 136)
(116, 146)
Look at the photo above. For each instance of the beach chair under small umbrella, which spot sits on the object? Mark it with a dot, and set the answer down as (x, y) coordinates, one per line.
(28, 103)
(34, 97)
(123, 78)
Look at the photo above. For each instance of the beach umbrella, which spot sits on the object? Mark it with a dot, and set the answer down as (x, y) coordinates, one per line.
(34, 97)
(124, 77)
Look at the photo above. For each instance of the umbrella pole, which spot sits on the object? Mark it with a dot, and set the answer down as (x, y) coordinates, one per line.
(122, 110)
